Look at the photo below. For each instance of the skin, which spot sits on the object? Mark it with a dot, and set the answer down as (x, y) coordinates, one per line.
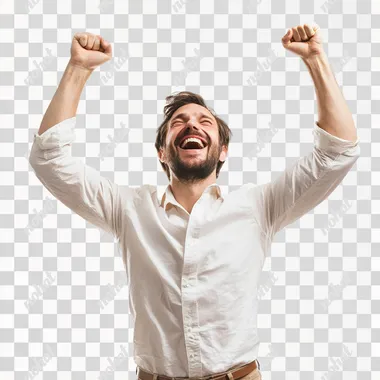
(334, 116)
(89, 51)
(191, 171)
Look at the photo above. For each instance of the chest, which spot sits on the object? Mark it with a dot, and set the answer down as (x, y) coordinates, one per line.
(214, 238)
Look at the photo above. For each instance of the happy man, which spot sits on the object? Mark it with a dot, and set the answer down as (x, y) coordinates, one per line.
(194, 257)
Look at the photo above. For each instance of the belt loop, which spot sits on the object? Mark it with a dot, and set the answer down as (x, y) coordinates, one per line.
(155, 375)
(230, 376)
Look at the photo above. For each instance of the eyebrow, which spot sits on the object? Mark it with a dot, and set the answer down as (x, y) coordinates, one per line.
(183, 116)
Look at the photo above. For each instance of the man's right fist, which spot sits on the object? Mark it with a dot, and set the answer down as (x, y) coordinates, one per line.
(89, 50)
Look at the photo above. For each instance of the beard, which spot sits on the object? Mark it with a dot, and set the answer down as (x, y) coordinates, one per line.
(193, 169)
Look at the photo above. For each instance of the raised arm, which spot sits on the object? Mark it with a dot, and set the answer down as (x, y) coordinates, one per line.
(314, 177)
(78, 186)
(333, 113)
(88, 51)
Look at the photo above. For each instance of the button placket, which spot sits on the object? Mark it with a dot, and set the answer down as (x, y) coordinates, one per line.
(189, 302)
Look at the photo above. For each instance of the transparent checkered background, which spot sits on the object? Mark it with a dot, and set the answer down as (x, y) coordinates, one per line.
(63, 293)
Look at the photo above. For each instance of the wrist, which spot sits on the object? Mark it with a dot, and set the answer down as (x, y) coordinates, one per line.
(74, 66)
(74, 77)
(315, 58)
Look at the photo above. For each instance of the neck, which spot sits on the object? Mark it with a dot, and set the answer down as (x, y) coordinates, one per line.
(188, 194)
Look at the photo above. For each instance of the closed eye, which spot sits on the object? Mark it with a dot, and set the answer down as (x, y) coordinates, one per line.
(180, 121)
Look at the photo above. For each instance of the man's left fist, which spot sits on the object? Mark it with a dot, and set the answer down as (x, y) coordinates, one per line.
(304, 40)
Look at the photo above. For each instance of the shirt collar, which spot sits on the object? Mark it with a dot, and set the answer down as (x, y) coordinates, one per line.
(168, 196)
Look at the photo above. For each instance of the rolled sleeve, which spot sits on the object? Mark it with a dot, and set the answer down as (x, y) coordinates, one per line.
(327, 142)
(305, 184)
(78, 186)
(57, 136)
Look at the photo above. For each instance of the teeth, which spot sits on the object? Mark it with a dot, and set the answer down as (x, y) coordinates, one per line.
(192, 139)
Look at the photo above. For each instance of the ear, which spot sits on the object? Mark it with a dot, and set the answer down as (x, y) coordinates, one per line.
(161, 155)
(223, 153)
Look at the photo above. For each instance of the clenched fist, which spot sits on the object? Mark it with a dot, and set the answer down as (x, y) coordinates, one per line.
(89, 50)
(303, 40)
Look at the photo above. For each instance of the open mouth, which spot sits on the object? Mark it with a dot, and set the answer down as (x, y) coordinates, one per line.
(192, 149)
(192, 144)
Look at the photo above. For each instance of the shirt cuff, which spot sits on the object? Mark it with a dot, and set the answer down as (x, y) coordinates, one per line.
(330, 143)
(57, 136)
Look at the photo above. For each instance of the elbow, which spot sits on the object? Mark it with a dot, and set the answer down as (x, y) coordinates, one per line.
(38, 161)
(34, 158)
(36, 166)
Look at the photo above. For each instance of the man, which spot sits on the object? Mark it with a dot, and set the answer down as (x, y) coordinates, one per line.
(193, 257)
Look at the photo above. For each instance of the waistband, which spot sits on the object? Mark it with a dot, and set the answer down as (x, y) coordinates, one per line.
(231, 374)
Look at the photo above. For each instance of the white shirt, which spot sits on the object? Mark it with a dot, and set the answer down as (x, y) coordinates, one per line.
(192, 277)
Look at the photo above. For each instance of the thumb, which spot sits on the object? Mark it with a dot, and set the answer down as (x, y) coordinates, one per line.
(286, 39)
(81, 38)
(106, 46)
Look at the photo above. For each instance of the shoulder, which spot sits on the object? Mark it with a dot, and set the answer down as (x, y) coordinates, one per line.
(135, 194)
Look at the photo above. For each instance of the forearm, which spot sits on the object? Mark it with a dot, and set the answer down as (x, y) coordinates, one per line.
(334, 116)
(66, 99)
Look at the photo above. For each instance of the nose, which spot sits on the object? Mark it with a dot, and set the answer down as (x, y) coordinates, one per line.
(192, 123)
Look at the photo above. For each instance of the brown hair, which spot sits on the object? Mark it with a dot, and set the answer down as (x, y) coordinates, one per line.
(173, 102)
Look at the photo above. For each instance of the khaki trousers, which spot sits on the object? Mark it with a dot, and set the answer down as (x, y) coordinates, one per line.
(254, 375)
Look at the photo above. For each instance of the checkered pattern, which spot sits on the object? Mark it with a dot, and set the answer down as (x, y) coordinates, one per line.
(63, 289)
